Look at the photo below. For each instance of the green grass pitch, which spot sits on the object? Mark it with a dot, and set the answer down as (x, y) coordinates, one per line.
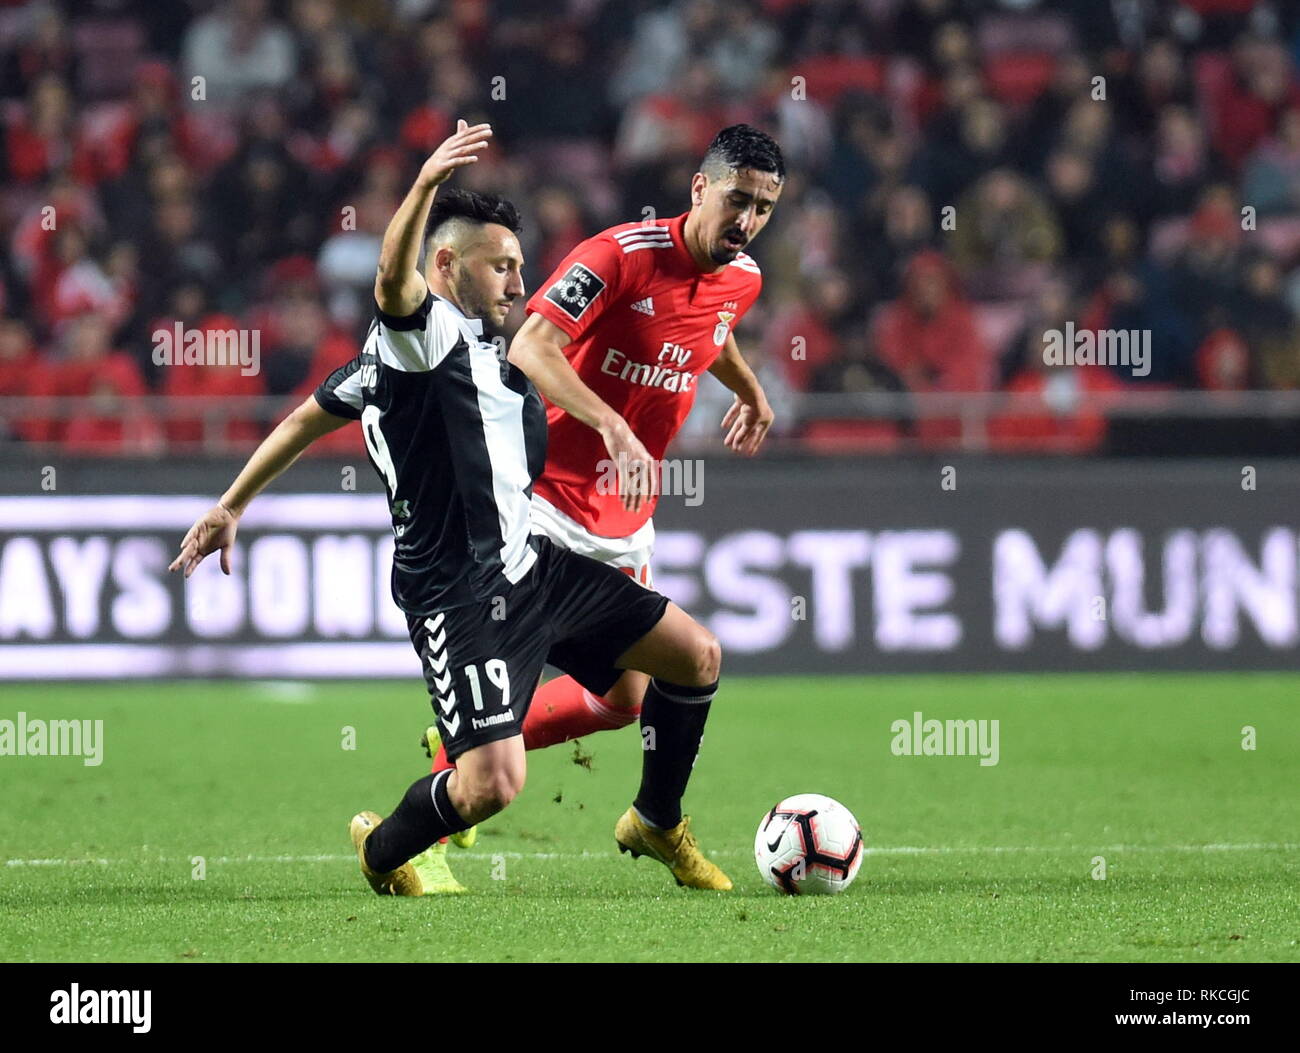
(965, 863)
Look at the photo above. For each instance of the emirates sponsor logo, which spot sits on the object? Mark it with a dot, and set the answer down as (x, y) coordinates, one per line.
(662, 374)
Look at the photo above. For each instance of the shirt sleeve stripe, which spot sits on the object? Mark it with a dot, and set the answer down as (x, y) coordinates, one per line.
(406, 323)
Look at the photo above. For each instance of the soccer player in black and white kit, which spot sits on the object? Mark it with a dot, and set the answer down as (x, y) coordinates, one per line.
(458, 435)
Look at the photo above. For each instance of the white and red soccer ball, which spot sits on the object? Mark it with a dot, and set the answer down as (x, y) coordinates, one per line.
(808, 844)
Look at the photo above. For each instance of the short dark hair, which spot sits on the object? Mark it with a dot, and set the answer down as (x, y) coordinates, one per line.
(743, 146)
(472, 206)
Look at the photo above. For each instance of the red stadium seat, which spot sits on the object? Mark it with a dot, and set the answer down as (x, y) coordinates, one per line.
(1212, 74)
(1222, 7)
(830, 76)
(1018, 79)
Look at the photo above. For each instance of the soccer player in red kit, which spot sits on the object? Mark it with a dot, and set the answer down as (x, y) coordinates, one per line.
(616, 342)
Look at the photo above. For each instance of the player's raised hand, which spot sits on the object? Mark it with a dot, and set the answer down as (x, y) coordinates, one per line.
(459, 149)
(747, 425)
(637, 478)
(215, 530)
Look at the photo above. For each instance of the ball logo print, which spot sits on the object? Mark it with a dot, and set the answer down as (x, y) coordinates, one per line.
(774, 844)
(808, 844)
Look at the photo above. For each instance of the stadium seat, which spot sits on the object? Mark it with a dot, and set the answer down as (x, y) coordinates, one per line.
(830, 76)
(851, 436)
(1212, 75)
(1018, 79)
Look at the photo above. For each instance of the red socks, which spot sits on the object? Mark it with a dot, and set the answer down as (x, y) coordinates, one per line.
(562, 709)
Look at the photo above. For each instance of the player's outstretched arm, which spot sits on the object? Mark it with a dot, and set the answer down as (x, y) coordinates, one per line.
(215, 529)
(538, 350)
(400, 288)
(750, 417)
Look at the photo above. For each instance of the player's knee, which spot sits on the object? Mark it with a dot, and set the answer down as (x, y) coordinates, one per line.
(493, 790)
(708, 658)
(503, 789)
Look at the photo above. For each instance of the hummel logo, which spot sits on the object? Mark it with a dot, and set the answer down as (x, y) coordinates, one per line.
(646, 306)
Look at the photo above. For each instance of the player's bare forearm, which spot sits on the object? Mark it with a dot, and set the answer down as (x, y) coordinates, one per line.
(215, 530)
(538, 350)
(733, 371)
(307, 423)
(750, 417)
(399, 285)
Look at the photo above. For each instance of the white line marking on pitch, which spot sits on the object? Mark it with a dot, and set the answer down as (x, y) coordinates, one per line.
(893, 850)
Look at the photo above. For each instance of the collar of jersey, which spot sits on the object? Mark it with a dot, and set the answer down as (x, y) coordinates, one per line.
(475, 324)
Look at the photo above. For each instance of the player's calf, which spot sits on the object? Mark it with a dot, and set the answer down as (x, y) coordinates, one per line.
(683, 660)
(626, 695)
(487, 779)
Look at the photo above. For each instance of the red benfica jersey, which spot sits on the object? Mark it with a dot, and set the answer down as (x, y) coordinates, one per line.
(645, 323)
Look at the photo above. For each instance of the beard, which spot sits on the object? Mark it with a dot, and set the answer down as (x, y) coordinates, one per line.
(476, 305)
(722, 254)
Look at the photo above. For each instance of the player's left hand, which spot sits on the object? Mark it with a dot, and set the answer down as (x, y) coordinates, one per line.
(215, 531)
(748, 424)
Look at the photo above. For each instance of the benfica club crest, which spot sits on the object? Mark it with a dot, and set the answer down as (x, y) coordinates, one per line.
(723, 327)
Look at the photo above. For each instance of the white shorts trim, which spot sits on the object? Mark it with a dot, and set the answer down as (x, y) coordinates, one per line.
(627, 553)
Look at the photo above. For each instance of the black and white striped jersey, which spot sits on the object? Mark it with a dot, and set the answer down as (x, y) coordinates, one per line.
(458, 435)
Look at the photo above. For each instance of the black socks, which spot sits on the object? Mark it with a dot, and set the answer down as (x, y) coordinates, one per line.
(672, 724)
(422, 817)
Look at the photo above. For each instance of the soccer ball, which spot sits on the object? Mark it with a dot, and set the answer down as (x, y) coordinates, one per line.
(808, 844)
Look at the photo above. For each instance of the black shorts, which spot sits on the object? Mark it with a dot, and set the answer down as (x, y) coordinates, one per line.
(482, 661)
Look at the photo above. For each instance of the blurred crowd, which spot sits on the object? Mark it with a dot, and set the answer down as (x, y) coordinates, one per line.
(963, 175)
